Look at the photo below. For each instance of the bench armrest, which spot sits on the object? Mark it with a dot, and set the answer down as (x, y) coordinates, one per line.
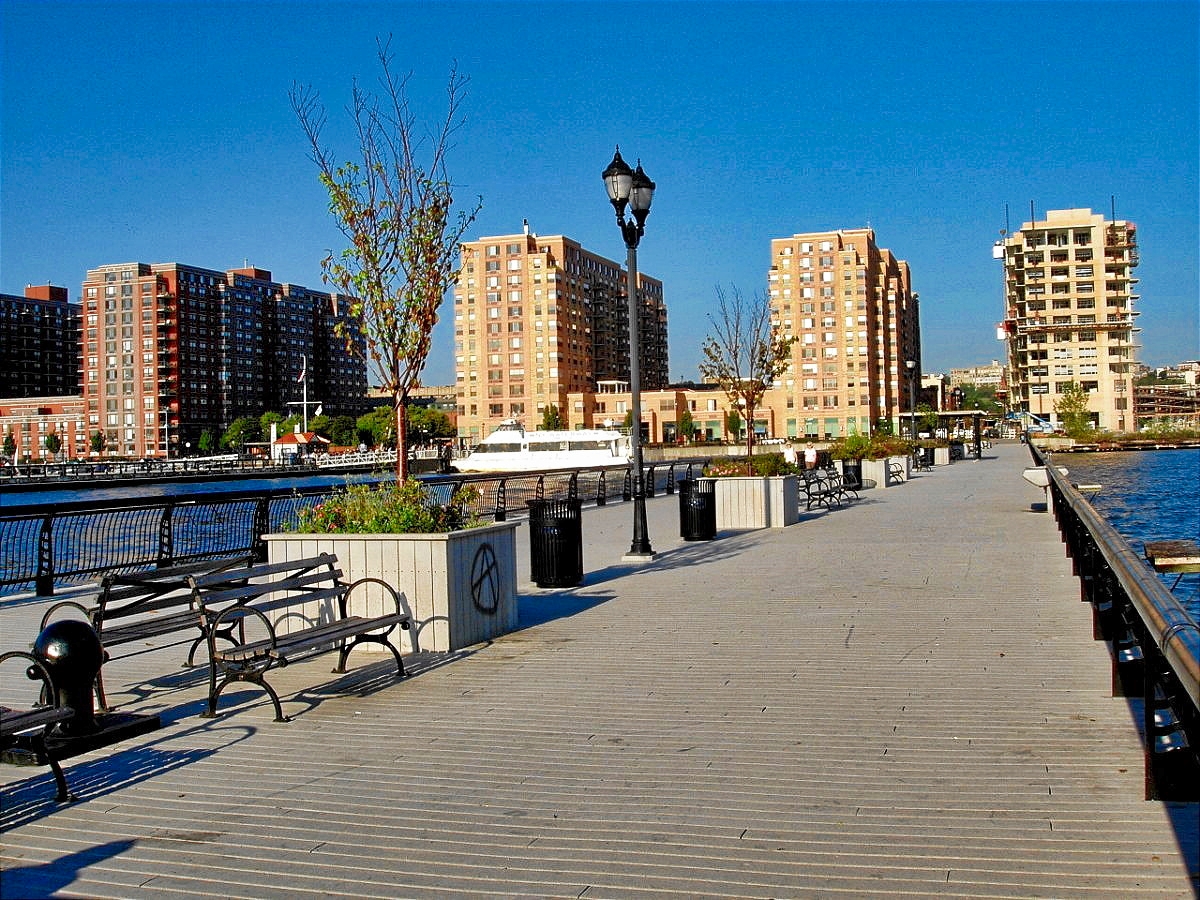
(89, 612)
(344, 599)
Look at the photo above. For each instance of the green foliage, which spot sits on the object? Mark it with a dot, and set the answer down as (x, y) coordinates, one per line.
(377, 428)
(877, 446)
(53, 443)
(883, 426)
(266, 420)
(342, 431)
(241, 431)
(927, 418)
(394, 509)
(97, 441)
(1072, 409)
(393, 206)
(733, 424)
(687, 425)
(208, 441)
(763, 465)
(427, 424)
(551, 419)
(852, 446)
(982, 397)
(10, 445)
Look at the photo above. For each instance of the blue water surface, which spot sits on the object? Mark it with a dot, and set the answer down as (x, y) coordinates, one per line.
(1151, 495)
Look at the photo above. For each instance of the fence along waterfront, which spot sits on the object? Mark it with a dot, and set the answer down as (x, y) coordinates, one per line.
(49, 545)
(1153, 640)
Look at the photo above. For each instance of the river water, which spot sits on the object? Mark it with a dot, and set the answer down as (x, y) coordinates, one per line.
(1149, 495)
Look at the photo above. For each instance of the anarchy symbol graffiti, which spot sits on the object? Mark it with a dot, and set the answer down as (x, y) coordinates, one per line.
(485, 580)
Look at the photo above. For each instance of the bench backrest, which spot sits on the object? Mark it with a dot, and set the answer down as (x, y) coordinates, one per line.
(133, 596)
(270, 586)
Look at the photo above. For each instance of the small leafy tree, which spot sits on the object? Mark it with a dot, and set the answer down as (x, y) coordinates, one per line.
(744, 354)
(733, 424)
(377, 428)
(208, 441)
(52, 443)
(342, 431)
(240, 432)
(1072, 409)
(266, 420)
(10, 445)
(393, 207)
(551, 419)
(96, 441)
(687, 425)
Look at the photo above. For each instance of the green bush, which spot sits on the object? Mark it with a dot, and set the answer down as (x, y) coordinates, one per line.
(762, 465)
(392, 509)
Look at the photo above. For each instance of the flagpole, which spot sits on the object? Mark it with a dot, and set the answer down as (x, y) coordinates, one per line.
(304, 380)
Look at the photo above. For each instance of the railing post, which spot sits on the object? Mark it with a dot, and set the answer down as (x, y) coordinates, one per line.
(601, 490)
(573, 487)
(44, 581)
(627, 487)
(501, 503)
(166, 536)
(262, 524)
(650, 482)
(671, 479)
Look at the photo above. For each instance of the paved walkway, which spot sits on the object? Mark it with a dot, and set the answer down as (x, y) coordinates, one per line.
(898, 698)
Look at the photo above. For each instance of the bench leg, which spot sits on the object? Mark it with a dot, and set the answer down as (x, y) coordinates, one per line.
(64, 793)
(215, 693)
(344, 653)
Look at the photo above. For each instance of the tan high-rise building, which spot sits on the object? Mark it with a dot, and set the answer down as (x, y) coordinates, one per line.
(851, 307)
(539, 317)
(1069, 317)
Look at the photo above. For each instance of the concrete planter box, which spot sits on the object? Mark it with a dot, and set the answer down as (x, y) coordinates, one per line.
(753, 502)
(876, 470)
(941, 456)
(460, 587)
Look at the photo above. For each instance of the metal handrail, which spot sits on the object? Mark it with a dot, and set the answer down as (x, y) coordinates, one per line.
(1154, 641)
(44, 545)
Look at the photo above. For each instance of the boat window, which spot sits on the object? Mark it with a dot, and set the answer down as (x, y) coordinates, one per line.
(497, 447)
(589, 445)
(545, 445)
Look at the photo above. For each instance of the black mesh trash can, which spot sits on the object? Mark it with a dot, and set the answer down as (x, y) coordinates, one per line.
(556, 542)
(697, 510)
(956, 451)
(927, 457)
(852, 473)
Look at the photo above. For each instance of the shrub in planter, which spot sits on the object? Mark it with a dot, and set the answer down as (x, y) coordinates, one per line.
(402, 508)
(763, 465)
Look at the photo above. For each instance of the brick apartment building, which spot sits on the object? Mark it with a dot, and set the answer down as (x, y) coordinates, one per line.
(40, 336)
(539, 318)
(170, 351)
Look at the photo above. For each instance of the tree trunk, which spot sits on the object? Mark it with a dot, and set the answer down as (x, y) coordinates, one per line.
(401, 402)
(749, 439)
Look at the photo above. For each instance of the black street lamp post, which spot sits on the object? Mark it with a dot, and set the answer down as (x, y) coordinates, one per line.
(912, 397)
(629, 188)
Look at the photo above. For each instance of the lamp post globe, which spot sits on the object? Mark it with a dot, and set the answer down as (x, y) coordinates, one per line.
(633, 190)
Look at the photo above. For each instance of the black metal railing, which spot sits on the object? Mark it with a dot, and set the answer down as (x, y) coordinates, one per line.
(48, 545)
(1153, 641)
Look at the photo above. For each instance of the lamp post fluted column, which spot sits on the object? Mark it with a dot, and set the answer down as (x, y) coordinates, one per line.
(912, 398)
(633, 189)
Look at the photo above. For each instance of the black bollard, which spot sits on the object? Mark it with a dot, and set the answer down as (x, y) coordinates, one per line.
(72, 654)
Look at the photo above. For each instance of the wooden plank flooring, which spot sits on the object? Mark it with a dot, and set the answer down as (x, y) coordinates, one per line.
(898, 698)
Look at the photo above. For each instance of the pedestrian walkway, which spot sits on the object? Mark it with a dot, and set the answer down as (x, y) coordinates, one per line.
(896, 698)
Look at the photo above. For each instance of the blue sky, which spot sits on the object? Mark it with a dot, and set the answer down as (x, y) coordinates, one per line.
(160, 132)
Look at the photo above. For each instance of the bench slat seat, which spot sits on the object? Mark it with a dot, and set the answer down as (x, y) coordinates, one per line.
(25, 729)
(271, 593)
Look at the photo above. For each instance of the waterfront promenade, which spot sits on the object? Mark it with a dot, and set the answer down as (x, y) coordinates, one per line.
(897, 698)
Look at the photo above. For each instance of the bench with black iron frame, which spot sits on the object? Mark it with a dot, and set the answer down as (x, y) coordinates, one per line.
(134, 609)
(24, 730)
(270, 592)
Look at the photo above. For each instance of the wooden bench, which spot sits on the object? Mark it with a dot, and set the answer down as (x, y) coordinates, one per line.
(265, 600)
(24, 730)
(895, 471)
(134, 609)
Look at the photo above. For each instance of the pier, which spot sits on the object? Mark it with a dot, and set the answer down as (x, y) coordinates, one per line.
(898, 697)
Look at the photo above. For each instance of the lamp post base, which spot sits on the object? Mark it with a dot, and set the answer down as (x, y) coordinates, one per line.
(639, 556)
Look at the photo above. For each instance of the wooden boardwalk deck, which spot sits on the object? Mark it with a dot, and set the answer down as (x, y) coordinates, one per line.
(898, 698)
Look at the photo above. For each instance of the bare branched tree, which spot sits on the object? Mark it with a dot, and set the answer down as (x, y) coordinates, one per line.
(393, 205)
(744, 354)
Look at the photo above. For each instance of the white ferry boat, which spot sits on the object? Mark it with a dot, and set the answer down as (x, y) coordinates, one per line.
(511, 448)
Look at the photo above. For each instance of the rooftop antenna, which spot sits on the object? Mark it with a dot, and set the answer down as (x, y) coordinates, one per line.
(1032, 215)
(1112, 198)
